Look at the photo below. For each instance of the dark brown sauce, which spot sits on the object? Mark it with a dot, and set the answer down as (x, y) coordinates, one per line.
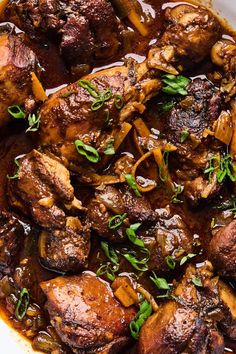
(13, 143)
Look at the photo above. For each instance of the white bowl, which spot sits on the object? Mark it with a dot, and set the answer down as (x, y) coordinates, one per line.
(11, 341)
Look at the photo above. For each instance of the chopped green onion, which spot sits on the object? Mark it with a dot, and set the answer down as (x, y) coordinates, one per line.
(96, 105)
(116, 221)
(16, 175)
(223, 166)
(196, 281)
(186, 258)
(164, 107)
(131, 234)
(22, 304)
(110, 148)
(178, 189)
(145, 310)
(16, 112)
(170, 262)
(92, 90)
(34, 122)
(107, 95)
(175, 84)
(132, 183)
(108, 271)
(228, 205)
(88, 151)
(161, 283)
(184, 135)
(119, 102)
(110, 252)
(140, 265)
(165, 162)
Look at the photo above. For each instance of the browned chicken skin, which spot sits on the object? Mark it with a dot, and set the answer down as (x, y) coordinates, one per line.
(187, 323)
(17, 62)
(86, 315)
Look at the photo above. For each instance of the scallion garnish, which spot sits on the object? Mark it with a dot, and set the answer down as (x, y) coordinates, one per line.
(178, 189)
(88, 151)
(175, 84)
(34, 122)
(133, 185)
(110, 148)
(186, 258)
(92, 90)
(116, 221)
(170, 262)
(223, 167)
(184, 135)
(145, 310)
(166, 106)
(119, 102)
(16, 112)
(108, 270)
(22, 304)
(16, 175)
(131, 234)
(165, 162)
(196, 281)
(110, 252)
(161, 283)
(140, 265)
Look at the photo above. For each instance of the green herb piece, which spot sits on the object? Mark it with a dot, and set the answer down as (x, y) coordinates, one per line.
(110, 148)
(108, 270)
(67, 94)
(228, 205)
(178, 189)
(145, 310)
(161, 283)
(224, 167)
(133, 185)
(96, 105)
(131, 234)
(170, 262)
(22, 304)
(184, 135)
(16, 175)
(92, 90)
(165, 162)
(196, 281)
(88, 151)
(119, 102)
(175, 84)
(16, 112)
(110, 252)
(186, 258)
(116, 221)
(34, 122)
(164, 107)
(107, 95)
(140, 265)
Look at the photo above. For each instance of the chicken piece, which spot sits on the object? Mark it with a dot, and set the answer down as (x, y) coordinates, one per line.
(193, 114)
(11, 237)
(223, 54)
(17, 62)
(222, 250)
(190, 35)
(191, 322)
(169, 236)
(86, 315)
(65, 250)
(69, 114)
(87, 30)
(43, 189)
(112, 201)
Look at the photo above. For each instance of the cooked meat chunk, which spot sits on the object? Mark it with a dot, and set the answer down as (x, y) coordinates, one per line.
(86, 29)
(113, 201)
(17, 62)
(65, 250)
(189, 324)
(11, 237)
(189, 37)
(69, 114)
(86, 315)
(222, 250)
(43, 189)
(169, 236)
(193, 114)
